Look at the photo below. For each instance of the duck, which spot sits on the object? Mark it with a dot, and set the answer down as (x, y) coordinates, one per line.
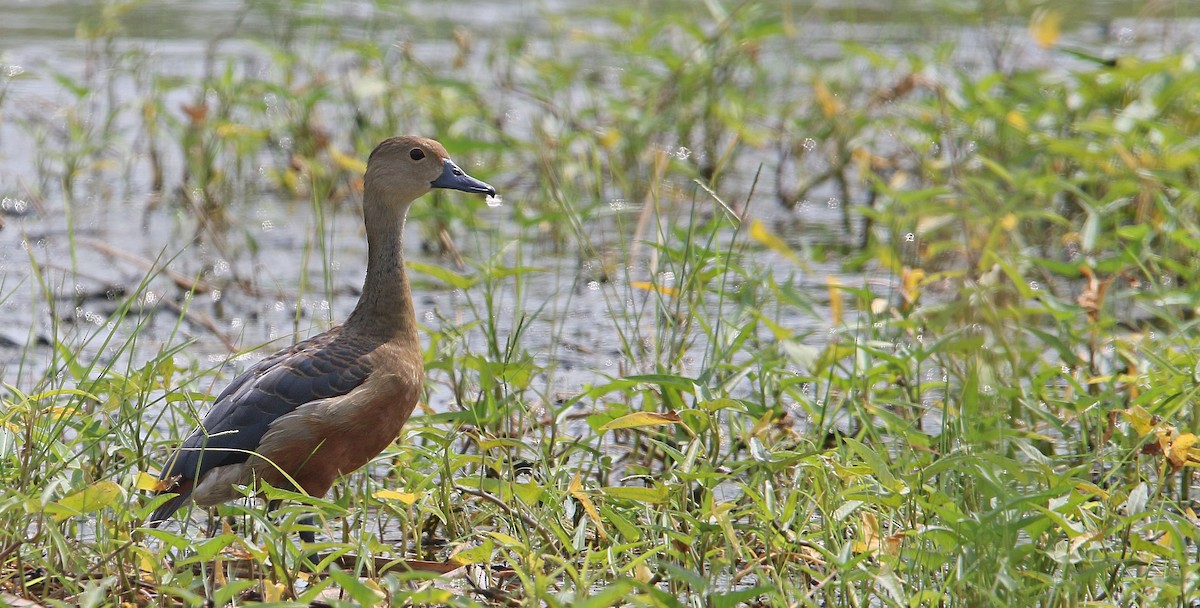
(310, 413)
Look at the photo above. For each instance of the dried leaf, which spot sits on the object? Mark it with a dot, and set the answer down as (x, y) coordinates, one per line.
(576, 490)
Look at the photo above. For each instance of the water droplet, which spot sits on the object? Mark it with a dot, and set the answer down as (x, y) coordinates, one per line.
(14, 206)
(809, 144)
(494, 201)
(617, 204)
(1125, 35)
(593, 285)
(268, 225)
(13, 71)
(833, 202)
(683, 153)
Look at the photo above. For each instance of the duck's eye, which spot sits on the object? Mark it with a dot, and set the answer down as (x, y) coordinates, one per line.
(416, 154)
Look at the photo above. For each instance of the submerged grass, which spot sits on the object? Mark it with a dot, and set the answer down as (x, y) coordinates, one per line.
(663, 382)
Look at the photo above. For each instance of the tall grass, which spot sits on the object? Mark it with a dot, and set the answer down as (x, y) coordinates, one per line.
(749, 330)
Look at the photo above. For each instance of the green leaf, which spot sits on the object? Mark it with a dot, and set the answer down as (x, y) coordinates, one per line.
(92, 498)
(629, 531)
(449, 277)
(736, 598)
(655, 495)
(640, 419)
(613, 595)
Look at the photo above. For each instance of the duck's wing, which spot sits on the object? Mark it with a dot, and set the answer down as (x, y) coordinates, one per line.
(324, 366)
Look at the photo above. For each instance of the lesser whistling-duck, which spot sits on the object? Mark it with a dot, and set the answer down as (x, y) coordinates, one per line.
(328, 405)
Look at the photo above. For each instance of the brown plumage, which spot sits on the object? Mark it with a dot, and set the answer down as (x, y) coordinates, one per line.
(329, 404)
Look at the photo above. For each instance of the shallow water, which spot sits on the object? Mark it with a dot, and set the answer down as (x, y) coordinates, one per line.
(115, 209)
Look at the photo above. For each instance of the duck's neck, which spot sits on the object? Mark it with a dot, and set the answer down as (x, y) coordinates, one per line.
(385, 309)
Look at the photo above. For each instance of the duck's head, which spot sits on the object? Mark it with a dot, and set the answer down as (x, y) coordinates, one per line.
(408, 167)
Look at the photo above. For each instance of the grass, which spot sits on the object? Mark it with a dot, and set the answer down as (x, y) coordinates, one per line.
(750, 329)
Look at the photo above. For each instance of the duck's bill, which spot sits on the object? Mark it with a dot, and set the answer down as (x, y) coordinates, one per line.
(454, 178)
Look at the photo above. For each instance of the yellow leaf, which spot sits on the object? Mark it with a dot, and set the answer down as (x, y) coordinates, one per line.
(874, 541)
(146, 565)
(150, 483)
(869, 527)
(1092, 489)
(835, 298)
(610, 138)
(1046, 27)
(373, 585)
(1141, 420)
(1008, 222)
(1180, 453)
(638, 419)
(404, 497)
(648, 286)
(830, 106)
(88, 500)
(912, 278)
(576, 490)
(1016, 120)
(347, 162)
(760, 233)
(273, 592)
(58, 412)
(1167, 539)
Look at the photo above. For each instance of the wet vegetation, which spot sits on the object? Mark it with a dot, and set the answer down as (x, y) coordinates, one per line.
(886, 329)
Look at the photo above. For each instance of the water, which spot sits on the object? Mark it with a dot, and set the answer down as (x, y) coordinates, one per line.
(88, 254)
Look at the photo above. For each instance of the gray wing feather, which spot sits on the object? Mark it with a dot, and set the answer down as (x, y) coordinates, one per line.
(324, 366)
